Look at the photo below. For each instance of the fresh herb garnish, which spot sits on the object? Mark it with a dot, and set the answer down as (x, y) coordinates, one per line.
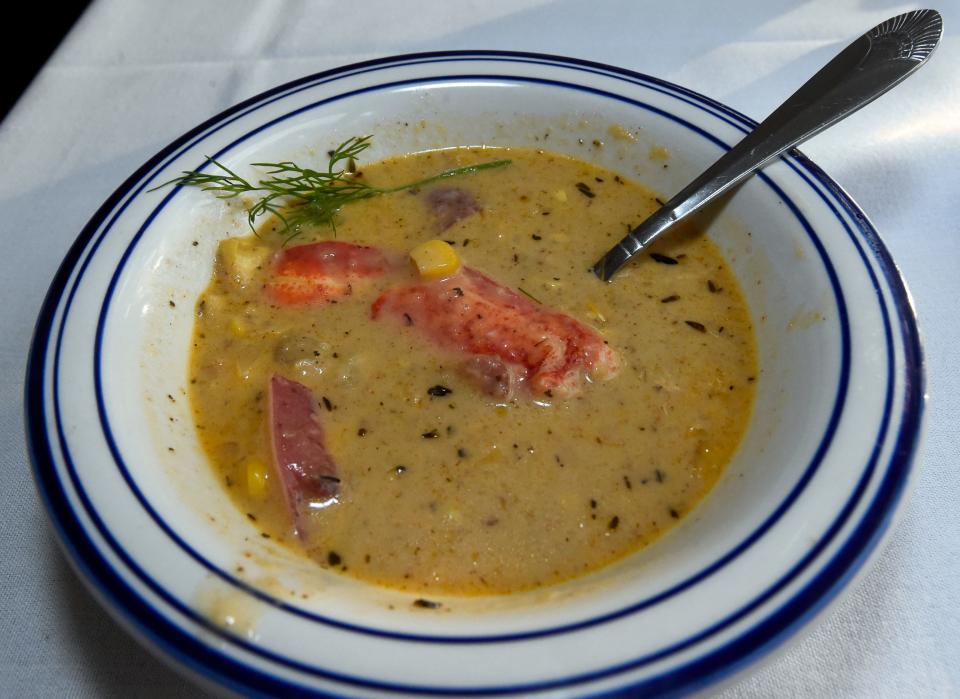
(529, 295)
(298, 195)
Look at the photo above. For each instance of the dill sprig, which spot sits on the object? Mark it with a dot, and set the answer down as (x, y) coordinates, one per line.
(298, 195)
(529, 295)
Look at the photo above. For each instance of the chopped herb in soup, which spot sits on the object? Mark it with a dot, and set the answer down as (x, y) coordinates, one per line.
(441, 398)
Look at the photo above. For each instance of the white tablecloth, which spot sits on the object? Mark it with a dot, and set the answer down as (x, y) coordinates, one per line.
(132, 76)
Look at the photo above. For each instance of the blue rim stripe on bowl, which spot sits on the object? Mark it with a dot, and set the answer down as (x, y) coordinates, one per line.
(907, 328)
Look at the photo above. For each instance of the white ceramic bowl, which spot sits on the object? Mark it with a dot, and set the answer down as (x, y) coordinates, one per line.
(806, 499)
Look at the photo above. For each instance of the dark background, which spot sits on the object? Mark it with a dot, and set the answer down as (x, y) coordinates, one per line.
(25, 57)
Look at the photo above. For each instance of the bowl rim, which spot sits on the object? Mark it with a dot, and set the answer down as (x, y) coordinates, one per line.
(814, 595)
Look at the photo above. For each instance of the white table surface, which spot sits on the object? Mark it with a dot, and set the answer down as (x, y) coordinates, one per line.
(132, 76)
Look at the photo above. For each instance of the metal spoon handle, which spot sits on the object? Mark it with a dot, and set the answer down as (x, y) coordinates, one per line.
(863, 71)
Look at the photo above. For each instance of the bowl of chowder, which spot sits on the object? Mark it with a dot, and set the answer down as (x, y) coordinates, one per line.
(325, 399)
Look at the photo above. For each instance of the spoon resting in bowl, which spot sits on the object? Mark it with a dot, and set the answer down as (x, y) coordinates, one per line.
(863, 71)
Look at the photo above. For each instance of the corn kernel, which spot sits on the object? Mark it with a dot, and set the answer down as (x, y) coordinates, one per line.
(560, 195)
(435, 259)
(593, 310)
(240, 258)
(257, 477)
(236, 328)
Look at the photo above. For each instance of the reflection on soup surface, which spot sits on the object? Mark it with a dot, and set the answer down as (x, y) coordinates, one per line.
(492, 417)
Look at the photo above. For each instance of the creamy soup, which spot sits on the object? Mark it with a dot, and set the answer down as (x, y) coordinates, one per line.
(547, 425)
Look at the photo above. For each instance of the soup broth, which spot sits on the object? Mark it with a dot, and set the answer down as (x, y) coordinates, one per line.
(440, 486)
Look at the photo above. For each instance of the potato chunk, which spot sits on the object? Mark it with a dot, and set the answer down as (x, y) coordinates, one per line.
(240, 258)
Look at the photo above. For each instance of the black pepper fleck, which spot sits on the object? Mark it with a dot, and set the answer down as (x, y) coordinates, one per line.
(663, 259)
(585, 190)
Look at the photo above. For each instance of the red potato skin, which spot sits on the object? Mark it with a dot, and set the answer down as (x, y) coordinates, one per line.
(304, 467)
(450, 205)
(324, 272)
(508, 340)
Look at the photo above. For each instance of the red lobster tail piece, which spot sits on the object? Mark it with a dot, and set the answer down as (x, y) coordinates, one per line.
(507, 340)
(323, 272)
(305, 469)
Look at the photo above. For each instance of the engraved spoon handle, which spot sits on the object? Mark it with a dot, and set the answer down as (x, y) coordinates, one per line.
(859, 74)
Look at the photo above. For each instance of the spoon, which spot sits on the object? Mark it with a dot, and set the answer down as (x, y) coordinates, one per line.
(859, 74)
